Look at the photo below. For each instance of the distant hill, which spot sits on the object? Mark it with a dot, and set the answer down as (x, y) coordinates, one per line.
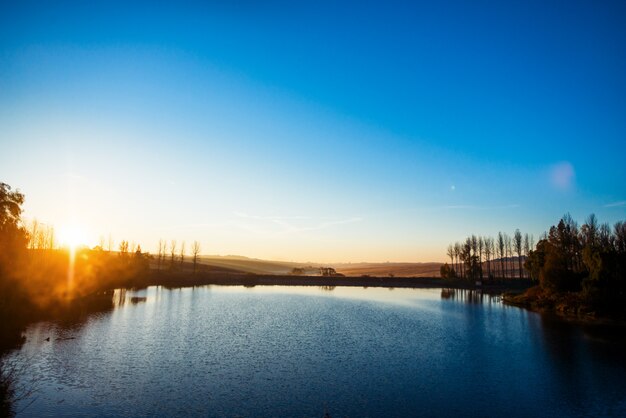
(253, 265)
(257, 266)
(385, 269)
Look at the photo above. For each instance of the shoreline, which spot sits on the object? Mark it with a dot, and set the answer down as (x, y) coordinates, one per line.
(567, 307)
(177, 279)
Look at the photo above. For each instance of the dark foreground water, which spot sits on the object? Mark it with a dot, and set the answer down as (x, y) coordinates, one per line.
(298, 352)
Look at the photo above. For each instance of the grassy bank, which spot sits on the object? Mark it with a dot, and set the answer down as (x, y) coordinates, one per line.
(569, 305)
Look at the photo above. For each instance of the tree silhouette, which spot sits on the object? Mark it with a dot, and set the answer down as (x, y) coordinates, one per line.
(32, 236)
(527, 246)
(160, 252)
(172, 253)
(123, 248)
(195, 250)
(182, 255)
(467, 254)
(500, 247)
(457, 255)
(509, 255)
(474, 244)
(451, 255)
(517, 243)
(13, 237)
(488, 254)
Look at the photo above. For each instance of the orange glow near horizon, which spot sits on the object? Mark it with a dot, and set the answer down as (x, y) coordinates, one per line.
(71, 236)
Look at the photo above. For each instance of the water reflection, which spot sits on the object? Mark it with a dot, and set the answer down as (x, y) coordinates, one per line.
(122, 297)
(475, 296)
(291, 351)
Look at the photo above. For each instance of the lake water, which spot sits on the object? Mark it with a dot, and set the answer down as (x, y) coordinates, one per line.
(300, 352)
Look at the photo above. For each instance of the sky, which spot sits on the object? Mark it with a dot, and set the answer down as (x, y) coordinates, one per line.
(316, 131)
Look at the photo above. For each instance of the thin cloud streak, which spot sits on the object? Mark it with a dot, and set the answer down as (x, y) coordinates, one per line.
(285, 222)
(478, 207)
(270, 218)
(616, 204)
(323, 225)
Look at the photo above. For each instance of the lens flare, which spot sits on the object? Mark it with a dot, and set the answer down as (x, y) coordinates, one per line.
(71, 236)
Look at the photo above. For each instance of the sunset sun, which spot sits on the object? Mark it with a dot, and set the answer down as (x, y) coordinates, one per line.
(72, 235)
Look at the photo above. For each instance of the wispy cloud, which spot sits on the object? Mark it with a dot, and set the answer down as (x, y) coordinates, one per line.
(323, 225)
(267, 225)
(477, 207)
(616, 204)
(270, 218)
(288, 223)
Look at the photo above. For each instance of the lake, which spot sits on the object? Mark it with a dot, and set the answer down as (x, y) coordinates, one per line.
(229, 351)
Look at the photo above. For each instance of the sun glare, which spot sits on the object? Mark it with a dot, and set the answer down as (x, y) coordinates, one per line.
(71, 236)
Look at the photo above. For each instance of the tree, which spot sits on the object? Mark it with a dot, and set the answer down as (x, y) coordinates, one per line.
(481, 247)
(172, 253)
(517, 243)
(488, 254)
(160, 253)
(509, 254)
(195, 250)
(467, 254)
(13, 236)
(527, 246)
(328, 271)
(474, 244)
(124, 248)
(619, 230)
(32, 236)
(446, 272)
(457, 255)
(182, 254)
(451, 254)
(500, 248)
(13, 253)
(589, 231)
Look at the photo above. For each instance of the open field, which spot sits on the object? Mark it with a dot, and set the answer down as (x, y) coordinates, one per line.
(256, 266)
(386, 269)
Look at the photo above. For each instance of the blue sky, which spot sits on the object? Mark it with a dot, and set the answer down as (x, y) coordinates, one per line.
(356, 132)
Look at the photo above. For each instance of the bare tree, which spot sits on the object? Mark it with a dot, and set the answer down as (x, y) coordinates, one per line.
(488, 254)
(110, 244)
(527, 247)
(182, 254)
(517, 243)
(619, 230)
(123, 248)
(160, 250)
(467, 255)
(589, 231)
(457, 254)
(450, 254)
(481, 247)
(33, 233)
(52, 239)
(173, 253)
(508, 242)
(500, 251)
(195, 250)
